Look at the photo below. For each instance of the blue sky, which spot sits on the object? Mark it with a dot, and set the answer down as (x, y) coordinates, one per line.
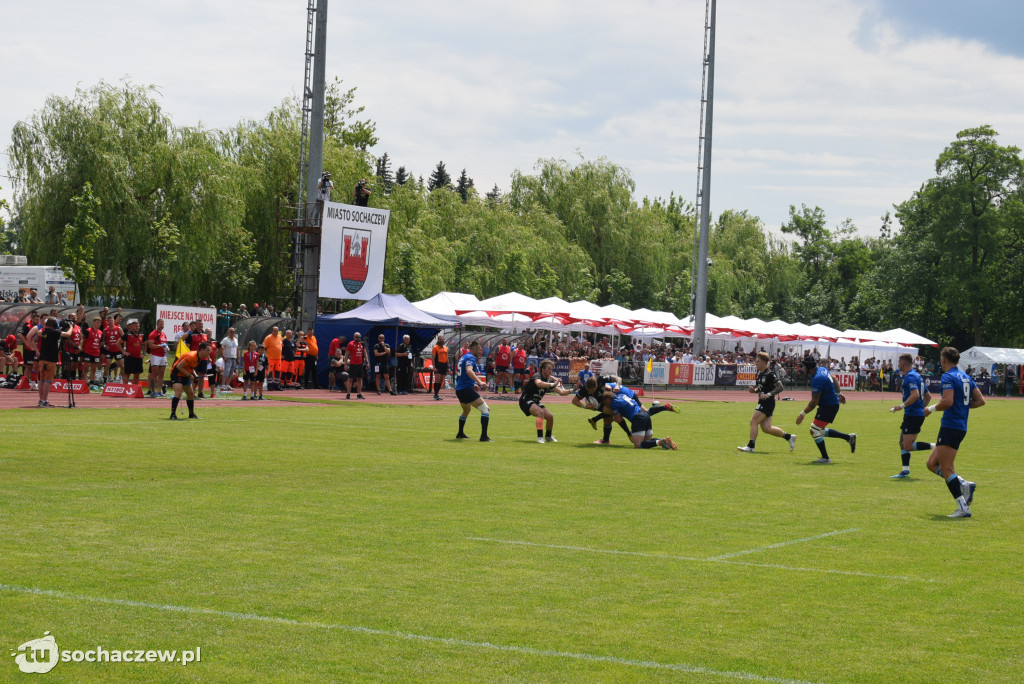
(836, 103)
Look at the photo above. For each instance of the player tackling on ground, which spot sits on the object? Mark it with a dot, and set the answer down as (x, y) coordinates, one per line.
(825, 395)
(959, 396)
(641, 430)
(915, 398)
(533, 391)
(767, 387)
(465, 389)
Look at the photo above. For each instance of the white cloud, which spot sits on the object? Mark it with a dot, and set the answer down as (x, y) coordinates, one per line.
(817, 101)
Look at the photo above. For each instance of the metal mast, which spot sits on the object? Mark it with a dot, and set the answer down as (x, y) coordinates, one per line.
(314, 97)
(699, 284)
(299, 237)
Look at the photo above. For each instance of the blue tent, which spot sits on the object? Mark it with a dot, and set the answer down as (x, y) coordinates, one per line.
(390, 315)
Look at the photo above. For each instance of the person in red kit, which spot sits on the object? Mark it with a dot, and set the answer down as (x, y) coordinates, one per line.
(502, 364)
(519, 368)
(92, 348)
(157, 343)
(73, 348)
(132, 344)
(113, 349)
(355, 357)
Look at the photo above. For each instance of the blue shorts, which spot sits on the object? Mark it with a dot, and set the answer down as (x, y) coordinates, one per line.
(911, 425)
(826, 413)
(641, 424)
(950, 437)
(467, 396)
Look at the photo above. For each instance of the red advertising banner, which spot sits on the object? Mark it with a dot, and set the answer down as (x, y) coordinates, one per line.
(680, 374)
(77, 386)
(123, 390)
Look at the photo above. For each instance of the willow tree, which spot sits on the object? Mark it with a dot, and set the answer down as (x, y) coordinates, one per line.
(168, 200)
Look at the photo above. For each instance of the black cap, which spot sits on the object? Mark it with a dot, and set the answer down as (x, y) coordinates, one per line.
(809, 362)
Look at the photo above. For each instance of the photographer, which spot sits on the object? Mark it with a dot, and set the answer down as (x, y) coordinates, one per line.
(49, 349)
(324, 187)
(362, 194)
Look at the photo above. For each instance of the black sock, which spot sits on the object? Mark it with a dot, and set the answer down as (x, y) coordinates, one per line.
(174, 405)
(751, 443)
(905, 457)
(191, 407)
(648, 444)
(607, 433)
(546, 434)
(437, 388)
(786, 436)
(626, 430)
(829, 432)
(921, 446)
(483, 426)
(462, 425)
(953, 482)
(540, 433)
(655, 410)
(821, 448)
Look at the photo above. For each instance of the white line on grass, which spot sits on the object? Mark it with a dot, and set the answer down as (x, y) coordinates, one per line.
(524, 650)
(586, 549)
(780, 544)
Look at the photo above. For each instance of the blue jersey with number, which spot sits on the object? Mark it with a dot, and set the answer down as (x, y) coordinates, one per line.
(464, 381)
(963, 387)
(584, 374)
(913, 381)
(821, 384)
(627, 407)
(626, 392)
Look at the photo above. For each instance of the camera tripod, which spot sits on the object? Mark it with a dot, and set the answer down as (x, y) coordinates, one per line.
(65, 374)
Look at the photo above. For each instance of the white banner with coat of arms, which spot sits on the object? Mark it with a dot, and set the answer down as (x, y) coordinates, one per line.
(353, 247)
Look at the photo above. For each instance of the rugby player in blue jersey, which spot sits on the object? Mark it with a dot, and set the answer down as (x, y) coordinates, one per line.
(469, 378)
(915, 397)
(641, 431)
(959, 396)
(825, 395)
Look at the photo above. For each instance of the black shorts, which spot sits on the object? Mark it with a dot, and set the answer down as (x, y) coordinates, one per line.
(261, 376)
(766, 407)
(827, 413)
(249, 377)
(467, 396)
(950, 437)
(641, 423)
(86, 358)
(501, 369)
(132, 365)
(911, 425)
(184, 380)
(29, 355)
(441, 368)
(113, 356)
(524, 406)
(355, 372)
(520, 371)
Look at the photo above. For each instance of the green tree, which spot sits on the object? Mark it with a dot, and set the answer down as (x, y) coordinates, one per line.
(967, 217)
(8, 236)
(439, 178)
(79, 241)
(340, 121)
(464, 186)
(384, 172)
(401, 176)
(148, 176)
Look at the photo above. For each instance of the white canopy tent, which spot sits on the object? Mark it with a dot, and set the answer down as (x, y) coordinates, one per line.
(985, 357)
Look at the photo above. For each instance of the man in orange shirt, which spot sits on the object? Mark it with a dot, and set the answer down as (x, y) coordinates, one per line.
(309, 375)
(274, 345)
(183, 372)
(440, 365)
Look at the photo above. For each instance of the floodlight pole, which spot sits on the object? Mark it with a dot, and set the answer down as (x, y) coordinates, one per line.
(311, 250)
(704, 193)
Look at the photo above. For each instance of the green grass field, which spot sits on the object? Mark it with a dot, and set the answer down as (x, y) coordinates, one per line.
(305, 543)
